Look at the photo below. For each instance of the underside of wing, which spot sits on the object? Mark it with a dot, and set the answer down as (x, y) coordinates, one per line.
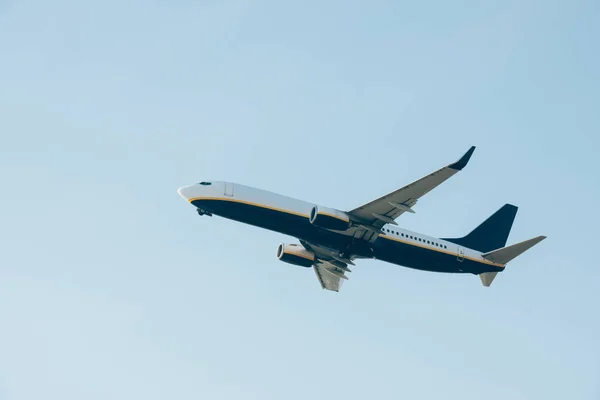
(330, 268)
(327, 278)
(384, 210)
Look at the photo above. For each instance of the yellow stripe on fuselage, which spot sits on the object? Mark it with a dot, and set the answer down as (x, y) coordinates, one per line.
(380, 235)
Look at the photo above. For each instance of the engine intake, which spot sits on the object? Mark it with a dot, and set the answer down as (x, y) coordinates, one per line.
(329, 218)
(295, 254)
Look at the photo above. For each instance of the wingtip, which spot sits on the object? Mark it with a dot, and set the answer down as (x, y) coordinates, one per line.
(460, 164)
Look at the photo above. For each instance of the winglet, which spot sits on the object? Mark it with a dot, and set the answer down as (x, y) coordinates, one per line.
(460, 164)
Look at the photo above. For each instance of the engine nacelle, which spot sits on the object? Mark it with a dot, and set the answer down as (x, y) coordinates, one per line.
(328, 218)
(295, 254)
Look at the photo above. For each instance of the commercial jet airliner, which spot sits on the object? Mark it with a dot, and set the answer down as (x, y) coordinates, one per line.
(331, 239)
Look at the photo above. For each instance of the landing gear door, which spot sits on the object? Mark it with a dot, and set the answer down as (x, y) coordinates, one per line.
(229, 189)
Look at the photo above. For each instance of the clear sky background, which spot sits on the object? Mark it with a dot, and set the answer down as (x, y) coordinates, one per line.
(111, 287)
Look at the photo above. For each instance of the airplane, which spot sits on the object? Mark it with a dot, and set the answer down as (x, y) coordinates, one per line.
(331, 239)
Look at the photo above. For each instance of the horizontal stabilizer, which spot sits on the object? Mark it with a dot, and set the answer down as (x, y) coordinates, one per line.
(505, 254)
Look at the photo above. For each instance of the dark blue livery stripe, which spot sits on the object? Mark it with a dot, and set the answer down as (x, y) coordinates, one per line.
(384, 248)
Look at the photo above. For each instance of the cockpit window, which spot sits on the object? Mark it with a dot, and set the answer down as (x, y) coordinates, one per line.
(205, 183)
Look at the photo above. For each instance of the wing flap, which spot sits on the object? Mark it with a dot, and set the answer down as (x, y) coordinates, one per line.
(328, 279)
(329, 267)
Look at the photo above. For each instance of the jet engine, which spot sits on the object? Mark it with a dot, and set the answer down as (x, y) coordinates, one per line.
(295, 254)
(328, 218)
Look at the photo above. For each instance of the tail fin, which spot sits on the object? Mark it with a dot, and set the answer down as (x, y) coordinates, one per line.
(492, 234)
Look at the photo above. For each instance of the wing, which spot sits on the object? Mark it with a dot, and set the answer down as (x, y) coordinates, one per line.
(327, 278)
(372, 216)
(329, 267)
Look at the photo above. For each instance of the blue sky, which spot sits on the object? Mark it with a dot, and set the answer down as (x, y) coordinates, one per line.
(112, 287)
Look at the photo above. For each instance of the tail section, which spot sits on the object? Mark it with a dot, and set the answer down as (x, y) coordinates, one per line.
(492, 234)
(506, 254)
(490, 238)
(487, 278)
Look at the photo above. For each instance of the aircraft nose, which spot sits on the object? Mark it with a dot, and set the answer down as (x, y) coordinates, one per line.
(186, 192)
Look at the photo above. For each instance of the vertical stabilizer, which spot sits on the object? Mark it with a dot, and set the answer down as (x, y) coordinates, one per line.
(492, 233)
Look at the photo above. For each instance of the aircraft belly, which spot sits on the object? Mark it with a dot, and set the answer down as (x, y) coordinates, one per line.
(415, 257)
